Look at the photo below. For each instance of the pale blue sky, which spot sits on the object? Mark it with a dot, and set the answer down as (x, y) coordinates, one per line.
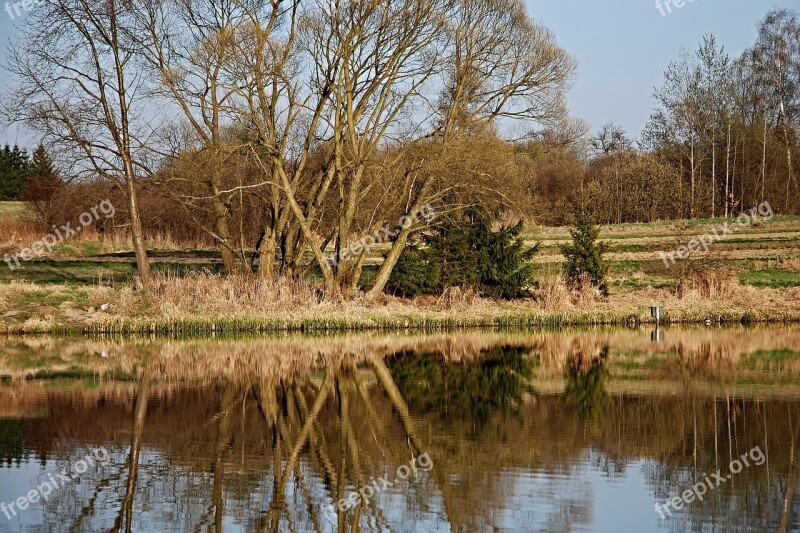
(622, 47)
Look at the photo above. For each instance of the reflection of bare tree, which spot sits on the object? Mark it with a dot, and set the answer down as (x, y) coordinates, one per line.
(223, 437)
(317, 431)
(140, 412)
(791, 485)
(284, 406)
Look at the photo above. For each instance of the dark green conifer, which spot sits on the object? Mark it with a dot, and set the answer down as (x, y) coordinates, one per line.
(585, 254)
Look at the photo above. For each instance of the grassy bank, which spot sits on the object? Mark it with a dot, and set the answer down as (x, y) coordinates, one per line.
(84, 286)
(427, 323)
(206, 304)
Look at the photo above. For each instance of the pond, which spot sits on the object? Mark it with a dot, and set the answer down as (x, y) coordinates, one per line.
(573, 430)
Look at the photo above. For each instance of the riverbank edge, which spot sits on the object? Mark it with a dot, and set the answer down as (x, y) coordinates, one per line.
(210, 326)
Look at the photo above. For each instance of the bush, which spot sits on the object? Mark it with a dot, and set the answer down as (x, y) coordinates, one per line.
(585, 254)
(467, 253)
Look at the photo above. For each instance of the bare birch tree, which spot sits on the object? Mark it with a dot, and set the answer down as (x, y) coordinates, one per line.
(80, 90)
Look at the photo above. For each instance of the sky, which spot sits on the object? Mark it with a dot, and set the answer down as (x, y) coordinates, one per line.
(622, 48)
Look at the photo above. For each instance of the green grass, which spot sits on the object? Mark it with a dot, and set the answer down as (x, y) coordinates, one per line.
(768, 357)
(82, 248)
(69, 272)
(93, 272)
(770, 278)
(12, 208)
(772, 355)
(156, 254)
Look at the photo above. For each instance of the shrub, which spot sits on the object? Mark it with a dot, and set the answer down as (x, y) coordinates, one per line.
(467, 253)
(585, 254)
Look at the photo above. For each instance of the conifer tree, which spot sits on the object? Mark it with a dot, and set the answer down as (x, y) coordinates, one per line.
(585, 254)
(42, 167)
(467, 253)
(14, 165)
(43, 184)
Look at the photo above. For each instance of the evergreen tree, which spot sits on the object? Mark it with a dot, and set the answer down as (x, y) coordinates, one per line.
(467, 253)
(14, 166)
(475, 391)
(414, 273)
(41, 166)
(43, 184)
(585, 254)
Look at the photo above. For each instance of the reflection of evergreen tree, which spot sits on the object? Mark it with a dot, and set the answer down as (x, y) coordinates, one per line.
(585, 389)
(470, 391)
(12, 442)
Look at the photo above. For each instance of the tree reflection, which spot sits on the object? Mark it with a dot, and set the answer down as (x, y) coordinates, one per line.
(585, 388)
(328, 425)
(12, 442)
(470, 391)
(140, 412)
(274, 450)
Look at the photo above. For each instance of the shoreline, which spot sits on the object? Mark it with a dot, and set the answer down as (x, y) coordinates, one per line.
(212, 326)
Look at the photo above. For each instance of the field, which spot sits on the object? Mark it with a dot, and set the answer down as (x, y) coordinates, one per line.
(754, 271)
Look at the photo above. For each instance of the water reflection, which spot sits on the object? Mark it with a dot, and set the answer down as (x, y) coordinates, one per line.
(576, 430)
(585, 388)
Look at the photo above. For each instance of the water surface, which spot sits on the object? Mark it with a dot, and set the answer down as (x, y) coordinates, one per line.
(579, 430)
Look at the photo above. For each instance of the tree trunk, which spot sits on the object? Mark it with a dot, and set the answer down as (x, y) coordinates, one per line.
(385, 271)
(139, 248)
(229, 259)
(122, 134)
(331, 286)
(266, 256)
(789, 168)
(728, 172)
(692, 173)
(713, 172)
(764, 161)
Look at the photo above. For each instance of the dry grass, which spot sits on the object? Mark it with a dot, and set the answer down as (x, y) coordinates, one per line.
(214, 295)
(20, 229)
(457, 299)
(203, 302)
(16, 232)
(789, 263)
(715, 281)
(553, 295)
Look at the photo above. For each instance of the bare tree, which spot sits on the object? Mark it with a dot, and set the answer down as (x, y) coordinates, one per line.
(499, 65)
(609, 139)
(192, 47)
(80, 89)
(678, 121)
(777, 56)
